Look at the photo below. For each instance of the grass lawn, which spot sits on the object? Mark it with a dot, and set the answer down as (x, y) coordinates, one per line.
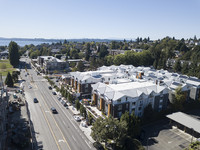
(5, 67)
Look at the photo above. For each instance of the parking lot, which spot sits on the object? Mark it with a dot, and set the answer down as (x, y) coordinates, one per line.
(161, 136)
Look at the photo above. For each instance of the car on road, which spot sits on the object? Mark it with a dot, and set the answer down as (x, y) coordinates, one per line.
(35, 100)
(29, 86)
(98, 146)
(53, 110)
(50, 88)
(54, 93)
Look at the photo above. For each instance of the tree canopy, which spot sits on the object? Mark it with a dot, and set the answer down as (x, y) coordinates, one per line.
(9, 80)
(13, 53)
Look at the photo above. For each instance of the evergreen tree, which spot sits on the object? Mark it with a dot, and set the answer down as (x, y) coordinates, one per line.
(13, 53)
(15, 76)
(177, 66)
(80, 66)
(103, 51)
(9, 80)
(88, 52)
(77, 104)
(185, 68)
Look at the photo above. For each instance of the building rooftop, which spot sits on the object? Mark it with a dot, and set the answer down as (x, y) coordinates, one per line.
(186, 120)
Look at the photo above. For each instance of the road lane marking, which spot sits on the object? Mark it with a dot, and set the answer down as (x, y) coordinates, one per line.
(169, 142)
(73, 138)
(50, 127)
(61, 141)
(87, 144)
(56, 122)
(64, 123)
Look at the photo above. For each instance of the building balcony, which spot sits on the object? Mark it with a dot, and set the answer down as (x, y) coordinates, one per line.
(95, 112)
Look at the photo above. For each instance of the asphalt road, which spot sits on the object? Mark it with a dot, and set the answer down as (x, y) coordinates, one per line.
(52, 131)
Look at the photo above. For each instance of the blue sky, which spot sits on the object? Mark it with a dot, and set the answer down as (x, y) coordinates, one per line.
(65, 19)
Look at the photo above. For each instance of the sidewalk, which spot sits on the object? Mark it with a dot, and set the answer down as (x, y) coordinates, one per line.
(86, 130)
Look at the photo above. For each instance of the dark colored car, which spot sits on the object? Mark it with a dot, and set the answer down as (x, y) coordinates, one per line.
(98, 146)
(54, 93)
(50, 88)
(35, 100)
(53, 110)
(154, 140)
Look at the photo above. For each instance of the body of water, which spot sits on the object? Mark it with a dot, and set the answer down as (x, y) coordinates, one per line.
(23, 42)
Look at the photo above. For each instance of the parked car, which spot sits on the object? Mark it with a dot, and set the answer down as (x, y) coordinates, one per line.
(50, 88)
(154, 140)
(14, 96)
(59, 98)
(53, 110)
(54, 93)
(35, 100)
(98, 146)
(29, 86)
(77, 118)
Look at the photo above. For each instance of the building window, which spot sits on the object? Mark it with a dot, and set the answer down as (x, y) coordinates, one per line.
(108, 79)
(133, 103)
(133, 109)
(119, 100)
(119, 114)
(126, 106)
(119, 107)
(140, 108)
(126, 98)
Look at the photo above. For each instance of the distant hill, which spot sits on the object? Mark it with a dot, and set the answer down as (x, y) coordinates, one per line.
(58, 40)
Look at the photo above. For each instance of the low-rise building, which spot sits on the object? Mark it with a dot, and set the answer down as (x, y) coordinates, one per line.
(131, 88)
(49, 64)
(114, 52)
(115, 99)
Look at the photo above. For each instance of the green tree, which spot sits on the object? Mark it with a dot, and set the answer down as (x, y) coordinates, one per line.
(74, 53)
(15, 76)
(103, 51)
(80, 66)
(185, 68)
(179, 99)
(9, 80)
(83, 111)
(77, 104)
(13, 53)
(88, 52)
(194, 146)
(177, 66)
(119, 59)
(109, 129)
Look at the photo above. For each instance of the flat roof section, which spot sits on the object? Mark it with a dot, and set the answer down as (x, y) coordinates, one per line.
(186, 120)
